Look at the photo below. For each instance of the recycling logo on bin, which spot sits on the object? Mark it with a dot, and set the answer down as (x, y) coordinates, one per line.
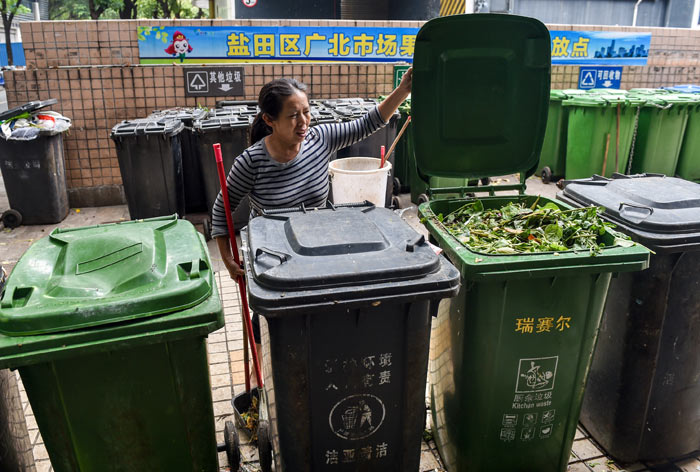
(357, 416)
(536, 375)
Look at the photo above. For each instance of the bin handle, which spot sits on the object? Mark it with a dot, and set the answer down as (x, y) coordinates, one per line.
(412, 243)
(636, 217)
(282, 256)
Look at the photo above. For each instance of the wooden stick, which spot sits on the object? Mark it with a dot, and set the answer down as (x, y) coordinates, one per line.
(605, 157)
(396, 140)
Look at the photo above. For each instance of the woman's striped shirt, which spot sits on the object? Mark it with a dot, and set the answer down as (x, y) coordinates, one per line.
(272, 184)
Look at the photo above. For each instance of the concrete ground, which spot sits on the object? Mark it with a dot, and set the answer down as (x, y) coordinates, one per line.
(225, 346)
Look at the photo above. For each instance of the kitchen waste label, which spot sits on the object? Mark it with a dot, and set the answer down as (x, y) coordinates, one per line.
(532, 414)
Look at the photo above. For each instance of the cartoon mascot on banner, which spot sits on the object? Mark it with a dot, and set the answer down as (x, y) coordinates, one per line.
(179, 47)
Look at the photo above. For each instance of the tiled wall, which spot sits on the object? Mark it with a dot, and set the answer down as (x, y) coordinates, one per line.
(91, 67)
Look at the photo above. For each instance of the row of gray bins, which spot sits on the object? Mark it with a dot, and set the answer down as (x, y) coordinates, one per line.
(167, 160)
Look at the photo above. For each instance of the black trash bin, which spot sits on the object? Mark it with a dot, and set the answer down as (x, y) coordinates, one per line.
(191, 170)
(33, 170)
(642, 401)
(345, 296)
(230, 129)
(150, 160)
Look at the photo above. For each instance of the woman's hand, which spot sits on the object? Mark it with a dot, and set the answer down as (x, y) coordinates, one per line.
(396, 98)
(234, 270)
(406, 81)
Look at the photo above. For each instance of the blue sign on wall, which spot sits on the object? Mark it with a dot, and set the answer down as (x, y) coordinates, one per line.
(599, 77)
(599, 48)
(17, 54)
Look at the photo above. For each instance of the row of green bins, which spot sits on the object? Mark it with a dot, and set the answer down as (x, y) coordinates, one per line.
(641, 401)
(553, 155)
(689, 158)
(107, 326)
(660, 132)
(503, 397)
(600, 133)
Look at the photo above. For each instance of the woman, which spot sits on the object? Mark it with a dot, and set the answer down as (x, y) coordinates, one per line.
(288, 163)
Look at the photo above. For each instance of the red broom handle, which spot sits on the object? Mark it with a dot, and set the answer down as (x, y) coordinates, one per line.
(234, 247)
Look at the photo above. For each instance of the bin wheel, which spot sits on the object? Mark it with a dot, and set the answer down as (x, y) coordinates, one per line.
(233, 452)
(546, 175)
(397, 186)
(264, 446)
(395, 202)
(423, 198)
(11, 218)
(206, 228)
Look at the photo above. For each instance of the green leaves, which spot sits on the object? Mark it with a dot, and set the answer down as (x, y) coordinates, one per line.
(516, 228)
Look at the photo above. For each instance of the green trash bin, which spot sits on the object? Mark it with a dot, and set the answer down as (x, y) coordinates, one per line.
(107, 325)
(662, 123)
(689, 158)
(503, 397)
(553, 155)
(597, 142)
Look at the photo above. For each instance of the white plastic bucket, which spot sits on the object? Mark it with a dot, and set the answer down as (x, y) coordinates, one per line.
(356, 179)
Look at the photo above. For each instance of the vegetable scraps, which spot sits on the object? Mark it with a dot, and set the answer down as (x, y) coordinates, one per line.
(517, 228)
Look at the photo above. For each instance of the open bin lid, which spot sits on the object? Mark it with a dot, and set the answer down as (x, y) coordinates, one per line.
(662, 213)
(28, 107)
(480, 95)
(81, 277)
(342, 254)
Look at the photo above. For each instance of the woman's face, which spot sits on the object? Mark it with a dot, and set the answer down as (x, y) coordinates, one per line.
(292, 124)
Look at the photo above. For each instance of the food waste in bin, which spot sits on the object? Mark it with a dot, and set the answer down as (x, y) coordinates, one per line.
(345, 296)
(517, 228)
(510, 353)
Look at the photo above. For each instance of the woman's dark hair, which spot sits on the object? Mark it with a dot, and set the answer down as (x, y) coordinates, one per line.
(271, 98)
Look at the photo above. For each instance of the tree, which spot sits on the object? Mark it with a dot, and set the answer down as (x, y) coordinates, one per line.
(129, 10)
(169, 9)
(124, 9)
(9, 9)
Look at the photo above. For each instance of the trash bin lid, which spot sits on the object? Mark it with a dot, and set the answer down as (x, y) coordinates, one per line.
(185, 114)
(557, 95)
(350, 254)
(479, 99)
(663, 100)
(657, 211)
(27, 108)
(590, 101)
(331, 248)
(165, 126)
(101, 274)
(223, 119)
(685, 88)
